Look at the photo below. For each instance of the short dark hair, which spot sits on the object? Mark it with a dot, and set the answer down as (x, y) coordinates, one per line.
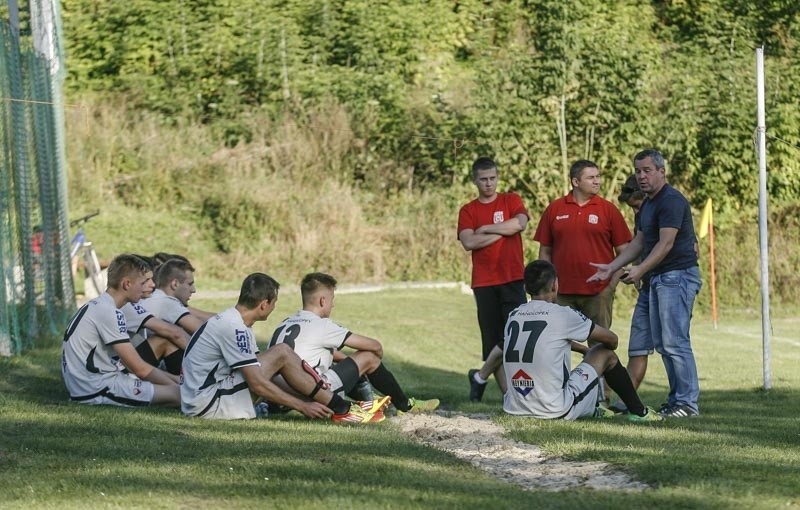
(173, 269)
(312, 282)
(125, 266)
(147, 260)
(256, 288)
(161, 257)
(630, 190)
(578, 167)
(654, 154)
(482, 163)
(539, 277)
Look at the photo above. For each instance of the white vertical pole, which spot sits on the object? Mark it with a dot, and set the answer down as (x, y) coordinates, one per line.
(762, 217)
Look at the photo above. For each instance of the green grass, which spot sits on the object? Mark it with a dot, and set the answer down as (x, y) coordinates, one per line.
(743, 452)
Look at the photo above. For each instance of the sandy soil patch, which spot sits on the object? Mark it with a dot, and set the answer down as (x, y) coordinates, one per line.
(477, 440)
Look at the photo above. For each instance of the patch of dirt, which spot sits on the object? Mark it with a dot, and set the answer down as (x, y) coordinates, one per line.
(481, 442)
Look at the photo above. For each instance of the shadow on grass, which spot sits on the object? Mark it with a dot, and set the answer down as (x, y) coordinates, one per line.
(744, 439)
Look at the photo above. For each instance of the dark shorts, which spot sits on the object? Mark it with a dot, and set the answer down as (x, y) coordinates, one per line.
(494, 304)
(598, 307)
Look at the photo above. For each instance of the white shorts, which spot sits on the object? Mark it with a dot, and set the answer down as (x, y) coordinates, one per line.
(584, 385)
(228, 399)
(333, 381)
(125, 390)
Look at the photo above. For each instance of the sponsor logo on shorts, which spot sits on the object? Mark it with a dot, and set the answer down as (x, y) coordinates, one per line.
(522, 383)
(137, 387)
(584, 376)
(242, 341)
(499, 217)
(593, 219)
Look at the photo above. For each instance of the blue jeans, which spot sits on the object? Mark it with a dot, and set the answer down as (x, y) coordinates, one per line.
(672, 296)
(641, 341)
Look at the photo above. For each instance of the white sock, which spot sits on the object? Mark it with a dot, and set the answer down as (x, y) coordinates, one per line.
(479, 379)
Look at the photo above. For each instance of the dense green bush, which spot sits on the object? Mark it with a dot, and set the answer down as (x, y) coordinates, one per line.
(338, 134)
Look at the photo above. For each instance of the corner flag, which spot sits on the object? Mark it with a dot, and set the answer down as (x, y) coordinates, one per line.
(706, 220)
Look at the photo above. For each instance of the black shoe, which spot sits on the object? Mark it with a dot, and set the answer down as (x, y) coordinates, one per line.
(476, 389)
(678, 411)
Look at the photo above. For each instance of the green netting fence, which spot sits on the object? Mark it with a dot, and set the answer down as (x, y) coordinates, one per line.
(36, 294)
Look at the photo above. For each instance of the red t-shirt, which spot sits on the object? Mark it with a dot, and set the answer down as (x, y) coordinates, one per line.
(578, 235)
(500, 262)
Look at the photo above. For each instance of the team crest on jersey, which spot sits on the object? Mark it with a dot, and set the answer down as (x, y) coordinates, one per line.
(522, 383)
(499, 217)
(242, 341)
(593, 219)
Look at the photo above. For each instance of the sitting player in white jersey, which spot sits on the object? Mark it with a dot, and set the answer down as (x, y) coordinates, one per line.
(97, 351)
(174, 281)
(539, 337)
(158, 260)
(319, 340)
(160, 333)
(223, 370)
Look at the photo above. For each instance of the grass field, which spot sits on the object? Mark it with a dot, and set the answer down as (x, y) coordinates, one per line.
(743, 452)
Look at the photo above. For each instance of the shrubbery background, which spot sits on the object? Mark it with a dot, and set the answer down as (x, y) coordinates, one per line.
(337, 135)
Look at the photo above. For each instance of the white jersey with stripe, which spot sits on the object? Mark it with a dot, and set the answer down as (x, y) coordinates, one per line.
(313, 338)
(537, 358)
(167, 308)
(135, 317)
(89, 362)
(219, 347)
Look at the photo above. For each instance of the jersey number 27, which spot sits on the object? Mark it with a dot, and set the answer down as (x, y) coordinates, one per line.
(531, 330)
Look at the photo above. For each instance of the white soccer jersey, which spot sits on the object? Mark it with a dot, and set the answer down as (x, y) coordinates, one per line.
(210, 384)
(89, 363)
(313, 338)
(135, 317)
(167, 308)
(537, 359)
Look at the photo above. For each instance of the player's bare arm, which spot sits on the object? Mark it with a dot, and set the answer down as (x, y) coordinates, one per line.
(140, 368)
(364, 343)
(200, 314)
(628, 255)
(190, 323)
(545, 253)
(604, 336)
(578, 347)
(267, 389)
(171, 332)
(471, 240)
(509, 227)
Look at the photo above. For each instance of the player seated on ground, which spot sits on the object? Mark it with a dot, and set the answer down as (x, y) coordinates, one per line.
(318, 340)
(223, 370)
(174, 287)
(165, 342)
(97, 350)
(539, 337)
(159, 259)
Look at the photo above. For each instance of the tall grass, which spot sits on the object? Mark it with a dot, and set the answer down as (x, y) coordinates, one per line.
(303, 193)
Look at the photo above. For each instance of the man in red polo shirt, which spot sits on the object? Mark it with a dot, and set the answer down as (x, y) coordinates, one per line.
(490, 227)
(579, 228)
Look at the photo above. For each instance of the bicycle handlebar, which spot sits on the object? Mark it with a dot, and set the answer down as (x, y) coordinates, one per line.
(83, 219)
